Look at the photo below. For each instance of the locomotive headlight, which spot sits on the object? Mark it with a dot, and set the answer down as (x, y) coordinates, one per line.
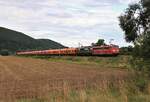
(114, 50)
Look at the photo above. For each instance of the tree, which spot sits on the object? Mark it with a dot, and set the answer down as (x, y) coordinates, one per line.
(100, 42)
(135, 23)
(4, 52)
(126, 50)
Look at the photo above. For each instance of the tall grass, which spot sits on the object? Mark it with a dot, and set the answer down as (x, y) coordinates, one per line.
(111, 94)
(106, 90)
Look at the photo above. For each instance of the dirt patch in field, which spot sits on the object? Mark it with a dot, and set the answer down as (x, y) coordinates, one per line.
(21, 76)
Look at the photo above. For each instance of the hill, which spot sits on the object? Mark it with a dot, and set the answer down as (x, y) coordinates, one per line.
(49, 43)
(13, 41)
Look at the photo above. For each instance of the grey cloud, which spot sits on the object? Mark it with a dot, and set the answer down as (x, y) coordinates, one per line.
(67, 21)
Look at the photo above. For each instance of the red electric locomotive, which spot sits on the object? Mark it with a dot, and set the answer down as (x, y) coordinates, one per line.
(105, 50)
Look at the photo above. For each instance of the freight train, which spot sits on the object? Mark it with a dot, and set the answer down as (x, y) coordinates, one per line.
(112, 50)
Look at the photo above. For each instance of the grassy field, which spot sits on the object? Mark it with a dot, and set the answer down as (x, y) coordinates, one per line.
(70, 79)
(105, 62)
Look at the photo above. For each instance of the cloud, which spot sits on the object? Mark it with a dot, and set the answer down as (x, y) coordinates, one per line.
(66, 21)
(128, 1)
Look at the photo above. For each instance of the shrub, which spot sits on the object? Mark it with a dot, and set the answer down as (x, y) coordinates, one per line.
(4, 52)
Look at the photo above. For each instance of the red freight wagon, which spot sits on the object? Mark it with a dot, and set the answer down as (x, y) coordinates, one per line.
(69, 51)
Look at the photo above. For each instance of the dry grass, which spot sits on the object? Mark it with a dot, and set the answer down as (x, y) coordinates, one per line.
(93, 95)
(36, 80)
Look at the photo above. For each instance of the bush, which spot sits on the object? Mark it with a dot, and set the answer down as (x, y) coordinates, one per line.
(141, 65)
(126, 50)
(4, 52)
(141, 83)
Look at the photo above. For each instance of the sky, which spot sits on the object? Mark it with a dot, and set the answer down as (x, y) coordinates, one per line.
(68, 22)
